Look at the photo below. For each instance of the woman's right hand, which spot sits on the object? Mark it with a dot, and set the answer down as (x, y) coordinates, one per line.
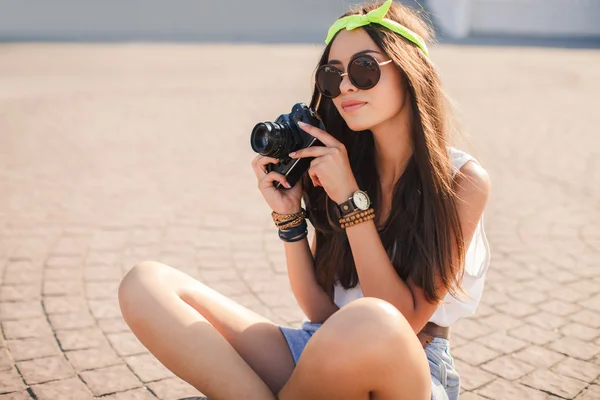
(282, 201)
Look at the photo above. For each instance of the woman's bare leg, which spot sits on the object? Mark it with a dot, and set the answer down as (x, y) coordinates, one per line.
(366, 350)
(220, 347)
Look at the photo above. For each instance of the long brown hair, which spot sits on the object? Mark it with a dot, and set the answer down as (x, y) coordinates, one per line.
(423, 222)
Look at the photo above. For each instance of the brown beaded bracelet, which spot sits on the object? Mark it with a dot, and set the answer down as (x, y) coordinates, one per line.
(357, 221)
(355, 215)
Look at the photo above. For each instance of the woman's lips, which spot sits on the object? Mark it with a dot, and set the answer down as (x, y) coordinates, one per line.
(352, 106)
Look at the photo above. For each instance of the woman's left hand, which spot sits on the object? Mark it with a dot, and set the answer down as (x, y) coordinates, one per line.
(331, 166)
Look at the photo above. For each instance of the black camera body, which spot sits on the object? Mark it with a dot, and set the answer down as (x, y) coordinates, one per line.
(278, 139)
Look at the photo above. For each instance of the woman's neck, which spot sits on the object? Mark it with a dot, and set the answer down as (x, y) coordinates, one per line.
(393, 148)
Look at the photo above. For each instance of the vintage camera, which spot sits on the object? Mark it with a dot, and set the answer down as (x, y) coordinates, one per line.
(278, 139)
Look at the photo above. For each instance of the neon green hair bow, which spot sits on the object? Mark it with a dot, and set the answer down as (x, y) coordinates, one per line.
(376, 16)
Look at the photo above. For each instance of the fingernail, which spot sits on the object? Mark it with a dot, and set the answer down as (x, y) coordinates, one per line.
(292, 154)
(287, 185)
(302, 123)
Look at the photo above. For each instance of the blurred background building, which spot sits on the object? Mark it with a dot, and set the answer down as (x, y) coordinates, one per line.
(279, 20)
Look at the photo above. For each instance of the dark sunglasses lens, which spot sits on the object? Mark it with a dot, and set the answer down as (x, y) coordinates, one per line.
(364, 72)
(328, 81)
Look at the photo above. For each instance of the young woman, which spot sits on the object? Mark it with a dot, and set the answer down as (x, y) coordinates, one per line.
(399, 251)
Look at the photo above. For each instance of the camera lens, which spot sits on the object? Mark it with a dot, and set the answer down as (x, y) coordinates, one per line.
(269, 139)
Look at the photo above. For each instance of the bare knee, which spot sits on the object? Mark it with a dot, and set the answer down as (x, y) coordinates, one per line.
(136, 283)
(366, 331)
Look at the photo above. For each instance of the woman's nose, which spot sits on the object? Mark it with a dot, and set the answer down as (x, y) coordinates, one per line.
(346, 85)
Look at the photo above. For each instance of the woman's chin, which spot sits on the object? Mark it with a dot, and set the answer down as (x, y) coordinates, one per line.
(358, 126)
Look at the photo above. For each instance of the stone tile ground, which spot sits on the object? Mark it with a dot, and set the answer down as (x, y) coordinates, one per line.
(113, 154)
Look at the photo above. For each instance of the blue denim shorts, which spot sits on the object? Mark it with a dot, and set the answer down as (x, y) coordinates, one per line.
(445, 382)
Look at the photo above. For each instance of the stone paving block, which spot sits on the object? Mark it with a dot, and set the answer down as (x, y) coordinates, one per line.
(99, 357)
(500, 322)
(218, 275)
(28, 292)
(27, 349)
(27, 328)
(529, 296)
(108, 240)
(145, 236)
(567, 294)
(110, 379)
(11, 381)
(592, 303)
(533, 334)
(579, 331)
(24, 395)
(102, 290)
(585, 286)
(474, 353)
(78, 339)
(573, 347)
(64, 304)
(47, 369)
(516, 309)
(501, 389)
(581, 370)
(471, 377)
(20, 310)
(590, 393)
(551, 382)
(6, 362)
(64, 262)
(126, 344)
(587, 317)
(470, 329)
(67, 389)
(559, 307)
(63, 274)
(175, 388)
(113, 325)
(62, 288)
(70, 246)
(103, 258)
(135, 394)
(102, 274)
(148, 368)
(546, 320)
(539, 357)
(502, 343)
(108, 308)
(68, 321)
(508, 367)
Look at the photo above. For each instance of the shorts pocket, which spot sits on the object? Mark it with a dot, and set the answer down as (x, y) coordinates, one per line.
(441, 366)
(437, 367)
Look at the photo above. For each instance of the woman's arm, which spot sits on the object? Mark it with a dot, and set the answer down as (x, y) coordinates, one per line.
(311, 298)
(377, 275)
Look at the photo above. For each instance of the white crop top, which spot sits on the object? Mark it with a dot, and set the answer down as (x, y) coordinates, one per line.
(477, 261)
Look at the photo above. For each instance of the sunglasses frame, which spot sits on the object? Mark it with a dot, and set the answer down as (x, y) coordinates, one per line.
(352, 59)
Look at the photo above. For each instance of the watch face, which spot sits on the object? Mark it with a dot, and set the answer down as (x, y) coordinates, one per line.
(361, 200)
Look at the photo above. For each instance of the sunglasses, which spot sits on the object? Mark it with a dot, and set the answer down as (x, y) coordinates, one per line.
(363, 71)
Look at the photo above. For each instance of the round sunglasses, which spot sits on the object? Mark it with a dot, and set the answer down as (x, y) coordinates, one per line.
(363, 71)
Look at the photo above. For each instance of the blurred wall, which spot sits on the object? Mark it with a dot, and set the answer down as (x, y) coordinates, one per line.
(212, 20)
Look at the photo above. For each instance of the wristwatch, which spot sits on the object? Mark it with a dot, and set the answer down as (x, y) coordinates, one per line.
(358, 201)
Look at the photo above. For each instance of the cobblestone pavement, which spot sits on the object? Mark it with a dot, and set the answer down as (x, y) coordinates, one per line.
(114, 154)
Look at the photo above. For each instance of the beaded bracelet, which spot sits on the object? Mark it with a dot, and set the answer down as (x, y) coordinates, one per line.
(357, 218)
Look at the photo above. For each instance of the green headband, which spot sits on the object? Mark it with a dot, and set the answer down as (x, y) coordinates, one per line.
(376, 16)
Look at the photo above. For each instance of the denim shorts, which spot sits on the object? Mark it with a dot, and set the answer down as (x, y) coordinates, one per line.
(445, 382)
